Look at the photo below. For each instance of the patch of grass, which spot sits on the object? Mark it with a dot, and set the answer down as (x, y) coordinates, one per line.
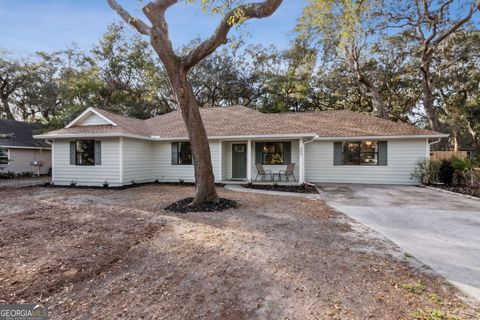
(433, 314)
(435, 298)
(407, 255)
(415, 288)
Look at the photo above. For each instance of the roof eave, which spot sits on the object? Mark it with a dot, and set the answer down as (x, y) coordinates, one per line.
(237, 137)
(24, 147)
(90, 135)
(385, 137)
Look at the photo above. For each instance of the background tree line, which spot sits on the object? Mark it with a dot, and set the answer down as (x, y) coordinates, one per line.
(415, 61)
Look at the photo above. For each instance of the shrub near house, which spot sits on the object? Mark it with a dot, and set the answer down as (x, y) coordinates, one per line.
(458, 174)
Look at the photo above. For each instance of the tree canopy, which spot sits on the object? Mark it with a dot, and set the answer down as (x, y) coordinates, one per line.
(378, 57)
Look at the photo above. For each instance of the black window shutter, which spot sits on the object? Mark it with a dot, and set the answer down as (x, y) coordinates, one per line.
(382, 153)
(98, 153)
(258, 152)
(174, 153)
(337, 153)
(287, 152)
(73, 150)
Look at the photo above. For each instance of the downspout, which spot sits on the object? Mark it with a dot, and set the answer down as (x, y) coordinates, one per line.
(304, 143)
(429, 144)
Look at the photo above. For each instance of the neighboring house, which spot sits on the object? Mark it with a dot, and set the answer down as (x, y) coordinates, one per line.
(19, 151)
(332, 146)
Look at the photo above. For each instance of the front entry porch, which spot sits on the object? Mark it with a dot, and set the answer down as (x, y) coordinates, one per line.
(239, 159)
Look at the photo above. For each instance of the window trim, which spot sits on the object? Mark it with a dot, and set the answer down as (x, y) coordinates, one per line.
(8, 156)
(263, 153)
(178, 153)
(360, 152)
(77, 152)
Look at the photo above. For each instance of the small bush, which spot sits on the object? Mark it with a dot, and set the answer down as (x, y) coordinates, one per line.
(427, 171)
(73, 183)
(7, 175)
(446, 172)
(13, 175)
(465, 168)
(407, 255)
(181, 181)
(27, 174)
(106, 184)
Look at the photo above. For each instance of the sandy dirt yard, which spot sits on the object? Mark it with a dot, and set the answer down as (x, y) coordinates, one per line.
(110, 254)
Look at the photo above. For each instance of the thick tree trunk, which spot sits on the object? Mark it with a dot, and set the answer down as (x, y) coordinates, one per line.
(371, 91)
(6, 108)
(475, 138)
(455, 140)
(177, 69)
(205, 190)
(375, 96)
(427, 96)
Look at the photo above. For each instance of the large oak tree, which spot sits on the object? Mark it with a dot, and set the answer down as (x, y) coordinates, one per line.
(429, 23)
(177, 68)
(344, 28)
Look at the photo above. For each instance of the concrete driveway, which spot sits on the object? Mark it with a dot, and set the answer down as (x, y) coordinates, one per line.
(439, 229)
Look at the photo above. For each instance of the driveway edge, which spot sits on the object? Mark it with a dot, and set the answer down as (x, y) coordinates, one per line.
(453, 193)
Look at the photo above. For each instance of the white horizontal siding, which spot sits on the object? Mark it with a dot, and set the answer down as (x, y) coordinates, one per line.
(166, 172)
(137, 161)
(92, 120)
(402, 158)
(108, 171)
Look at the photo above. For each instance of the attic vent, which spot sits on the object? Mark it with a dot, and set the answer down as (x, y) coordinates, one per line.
(7, 135)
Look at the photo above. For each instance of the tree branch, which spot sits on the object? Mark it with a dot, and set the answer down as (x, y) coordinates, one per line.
(159, 38)
(458, 24)
(247, 11)
(138, 24)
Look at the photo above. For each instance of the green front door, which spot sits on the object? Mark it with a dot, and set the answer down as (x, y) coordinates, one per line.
(239, 161)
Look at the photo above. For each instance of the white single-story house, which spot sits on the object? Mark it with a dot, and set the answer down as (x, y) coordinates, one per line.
(20, 153)
(326, 147)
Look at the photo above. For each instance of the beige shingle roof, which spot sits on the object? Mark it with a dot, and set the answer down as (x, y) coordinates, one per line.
(239, 120)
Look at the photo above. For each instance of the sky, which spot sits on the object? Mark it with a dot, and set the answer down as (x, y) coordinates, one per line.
(29, 26)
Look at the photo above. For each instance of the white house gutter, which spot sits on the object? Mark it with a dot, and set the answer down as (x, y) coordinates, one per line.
(435, 142)
(28, 148)
(354, 138)
(243, 137)
(239, 137)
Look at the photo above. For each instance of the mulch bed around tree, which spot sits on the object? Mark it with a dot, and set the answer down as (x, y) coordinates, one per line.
(305, 188)
(471, 191)
(185, 206)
